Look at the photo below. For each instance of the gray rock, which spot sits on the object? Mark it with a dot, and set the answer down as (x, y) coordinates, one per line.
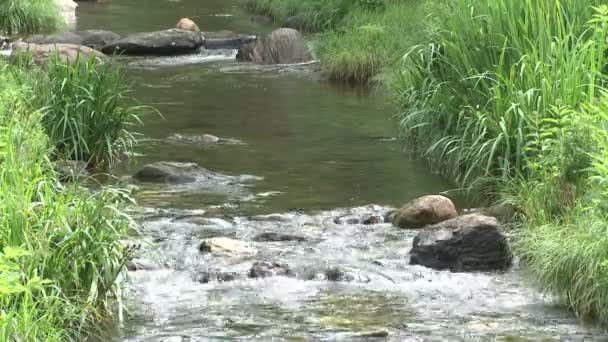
(95, 39)
(160, 43)
(226, 246)
(263, 269)
(282, 46)
(466, 243)
(373, 219)
(170, 172)
(67, 52)
(277, 237)
(227, 40)
(425, 210)
(216, 275)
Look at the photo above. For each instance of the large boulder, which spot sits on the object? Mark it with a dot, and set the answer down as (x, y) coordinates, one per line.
(160, 43)
(282, 46)
(467, 243)
(95, 39)
(425, 210)
(41, 53)
(188, 25)
(169, 172)
(226, 246)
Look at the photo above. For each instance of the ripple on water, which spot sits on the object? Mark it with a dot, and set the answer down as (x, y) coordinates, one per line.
(406, 302)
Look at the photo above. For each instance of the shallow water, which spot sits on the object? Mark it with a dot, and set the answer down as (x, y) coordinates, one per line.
(321, 152)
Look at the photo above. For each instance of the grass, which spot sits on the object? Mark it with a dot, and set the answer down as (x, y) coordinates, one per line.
(29, 16)
(60, 245)
(84, 110)
(508, 97)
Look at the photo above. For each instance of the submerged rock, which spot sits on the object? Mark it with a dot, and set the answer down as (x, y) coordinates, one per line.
(374, 219)
(141, 265)
(467, 243)
(425, 210)
(337, 274)
(262, 269)
(347, 219)
(66, 52)
(161, 43)
(95, 39)
(277, 237)
(282, 46)
(216, 275)
(226, 246)
(170, 172)
(227, 40)
(188, 25)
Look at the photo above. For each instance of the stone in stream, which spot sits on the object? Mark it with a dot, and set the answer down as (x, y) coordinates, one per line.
(277, 237)
(373, 219)
(389, 216)
(215, 40)
(170, 172)
(216, 275)
(41, 53)
(188, 25)
(337, 274)
(467, 243)
(160, 43)
(263, 269)
(282, 46)
(95, 39)
(425, 210)
(226, 246)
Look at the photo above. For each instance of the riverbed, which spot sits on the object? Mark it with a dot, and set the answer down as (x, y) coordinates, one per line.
(322, 158)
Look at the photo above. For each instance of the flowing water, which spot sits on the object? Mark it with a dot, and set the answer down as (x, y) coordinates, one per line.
(323, 157)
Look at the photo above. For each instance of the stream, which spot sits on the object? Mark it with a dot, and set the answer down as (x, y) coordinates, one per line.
(320, 158)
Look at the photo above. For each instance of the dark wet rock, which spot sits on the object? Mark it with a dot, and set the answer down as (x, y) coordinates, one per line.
(226, 246)
(263, 269)
(296, 22)
(188, 25)
(4, 40)
(425, 210)
(95, 39)
(277, 237)
(227, 40)
(282, 46)
(466, 243)
(160, 43)
(68, 170)
(41, 53)
(336, 274)
(169, 172)
(216, 276)
(262, 19)
(372, 334)
(374, 219)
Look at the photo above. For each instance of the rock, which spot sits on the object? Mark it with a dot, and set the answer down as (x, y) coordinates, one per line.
(67, 52)
(209, 139)
(425, 210)
(169, 172)
(227, 40)
(141, 265)
(277, 237)
(216, 275)
(95, 39)
(188, 25)
(68, 170)
(346, 220)
(167, 42)
(226, 246)
(263, 269)
(502, 212)
(374, 219)
(467, 243)
(4, 40)
(262, 19)
(282, 46)
(335, 273)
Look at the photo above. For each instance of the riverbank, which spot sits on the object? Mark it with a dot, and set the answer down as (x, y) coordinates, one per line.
(61, 246)
(506, 98)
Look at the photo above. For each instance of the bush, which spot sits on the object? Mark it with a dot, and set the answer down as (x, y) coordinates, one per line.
(28, 16)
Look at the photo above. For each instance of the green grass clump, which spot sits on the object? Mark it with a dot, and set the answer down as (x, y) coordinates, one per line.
(84, 110)
(29, 16)
(60, 245)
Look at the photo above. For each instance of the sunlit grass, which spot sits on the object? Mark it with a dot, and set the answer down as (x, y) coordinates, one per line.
(29, 16)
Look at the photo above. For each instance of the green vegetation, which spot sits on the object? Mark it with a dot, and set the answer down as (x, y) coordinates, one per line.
(28, 16)
(507, 97)
(60, 245)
